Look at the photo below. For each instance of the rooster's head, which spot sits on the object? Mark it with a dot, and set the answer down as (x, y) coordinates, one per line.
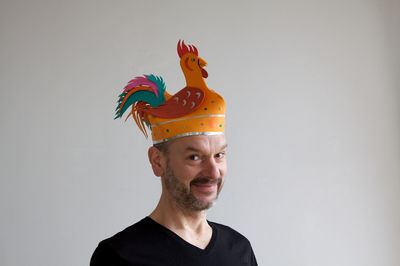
(192, 65)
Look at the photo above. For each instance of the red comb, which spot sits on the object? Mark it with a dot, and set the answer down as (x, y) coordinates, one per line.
(184, 49)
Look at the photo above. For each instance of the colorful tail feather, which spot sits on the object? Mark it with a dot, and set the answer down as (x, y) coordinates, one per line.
(141, 93)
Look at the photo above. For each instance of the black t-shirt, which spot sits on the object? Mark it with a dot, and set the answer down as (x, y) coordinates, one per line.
(148, 243)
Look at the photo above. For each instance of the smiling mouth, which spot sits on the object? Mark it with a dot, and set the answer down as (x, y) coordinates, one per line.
(205, 182)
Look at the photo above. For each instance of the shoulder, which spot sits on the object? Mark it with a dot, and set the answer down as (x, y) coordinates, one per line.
(133, 240)
(137, 234)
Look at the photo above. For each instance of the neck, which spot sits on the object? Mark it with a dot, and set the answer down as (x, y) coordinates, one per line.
(175, 218)
(191, 226)
(196, 82)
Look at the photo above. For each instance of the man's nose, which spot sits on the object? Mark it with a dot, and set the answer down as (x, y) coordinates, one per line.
(211, 169)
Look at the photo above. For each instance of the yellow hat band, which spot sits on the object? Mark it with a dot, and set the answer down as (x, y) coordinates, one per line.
(210, 124)
(188, 135)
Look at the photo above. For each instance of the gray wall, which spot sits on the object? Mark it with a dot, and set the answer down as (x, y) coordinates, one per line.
(313, 124)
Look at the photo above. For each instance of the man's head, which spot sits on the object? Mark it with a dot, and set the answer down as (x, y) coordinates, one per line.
(192, 170)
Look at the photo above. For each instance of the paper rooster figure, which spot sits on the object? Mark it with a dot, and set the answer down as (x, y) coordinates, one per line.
(194, 110)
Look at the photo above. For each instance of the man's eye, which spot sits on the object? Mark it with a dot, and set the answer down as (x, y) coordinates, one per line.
(194, 157)
(220, 155)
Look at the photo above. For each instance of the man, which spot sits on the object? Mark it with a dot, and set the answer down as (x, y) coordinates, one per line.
(189, 156)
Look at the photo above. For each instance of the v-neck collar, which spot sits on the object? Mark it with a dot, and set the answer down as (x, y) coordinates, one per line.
(183, 242)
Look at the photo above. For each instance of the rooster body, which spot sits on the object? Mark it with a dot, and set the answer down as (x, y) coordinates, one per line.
(149, 100)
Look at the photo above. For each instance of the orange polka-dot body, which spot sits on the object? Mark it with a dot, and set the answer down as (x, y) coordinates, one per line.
(208, 118)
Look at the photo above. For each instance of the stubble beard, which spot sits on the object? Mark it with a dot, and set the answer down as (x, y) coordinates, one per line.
(182, 194)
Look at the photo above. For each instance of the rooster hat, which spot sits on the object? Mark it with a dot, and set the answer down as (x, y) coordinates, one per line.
(194, 110)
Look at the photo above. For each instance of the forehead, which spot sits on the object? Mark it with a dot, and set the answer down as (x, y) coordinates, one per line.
(214, 143)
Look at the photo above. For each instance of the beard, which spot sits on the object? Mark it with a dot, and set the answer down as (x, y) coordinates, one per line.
(183, 195)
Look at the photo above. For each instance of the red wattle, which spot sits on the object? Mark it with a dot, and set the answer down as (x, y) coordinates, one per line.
(204, 73)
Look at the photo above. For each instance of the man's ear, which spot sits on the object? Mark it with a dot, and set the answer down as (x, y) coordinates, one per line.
(157, 160)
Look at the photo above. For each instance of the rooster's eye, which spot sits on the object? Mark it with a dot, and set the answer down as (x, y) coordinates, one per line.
(193, 59)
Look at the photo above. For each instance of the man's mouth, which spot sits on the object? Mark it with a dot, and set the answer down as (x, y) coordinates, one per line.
(205, 187)
(205, 182)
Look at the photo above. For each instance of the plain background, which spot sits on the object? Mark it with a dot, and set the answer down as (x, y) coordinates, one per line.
(313, 124)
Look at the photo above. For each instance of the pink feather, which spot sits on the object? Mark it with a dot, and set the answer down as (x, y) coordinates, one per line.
(141, 81)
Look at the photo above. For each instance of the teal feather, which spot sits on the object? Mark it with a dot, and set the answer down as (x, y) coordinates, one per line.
(144, 96)
(159, 82)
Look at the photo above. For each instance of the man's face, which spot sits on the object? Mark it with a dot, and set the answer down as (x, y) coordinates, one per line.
(195, 171)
